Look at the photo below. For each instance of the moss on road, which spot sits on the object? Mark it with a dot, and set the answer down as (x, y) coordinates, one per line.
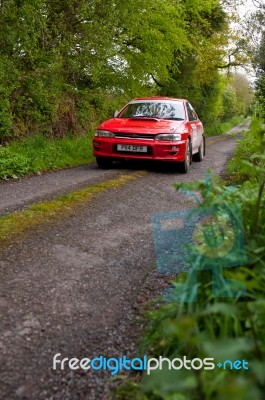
(14, 225)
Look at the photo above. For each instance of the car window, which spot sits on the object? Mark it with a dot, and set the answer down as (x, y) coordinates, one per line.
(191, 113)
(154, 109)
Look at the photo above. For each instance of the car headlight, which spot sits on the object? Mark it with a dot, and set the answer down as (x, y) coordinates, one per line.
(100, 133)
(172, 137)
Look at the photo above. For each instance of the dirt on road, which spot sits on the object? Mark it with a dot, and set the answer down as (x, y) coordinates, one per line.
(76, 288)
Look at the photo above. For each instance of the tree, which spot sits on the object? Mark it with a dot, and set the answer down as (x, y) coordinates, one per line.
(256, 30)
(63, 64)
(243, 92)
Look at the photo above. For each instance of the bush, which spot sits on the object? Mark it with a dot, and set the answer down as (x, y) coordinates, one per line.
(13, 165)
(240, 168)
(217, 327)
(38, 153)
(216, 127)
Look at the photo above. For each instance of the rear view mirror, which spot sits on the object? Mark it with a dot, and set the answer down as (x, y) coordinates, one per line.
(116, 113)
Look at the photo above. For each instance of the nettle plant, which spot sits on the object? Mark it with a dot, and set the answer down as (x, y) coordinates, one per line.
(13, 166)
(198, 322)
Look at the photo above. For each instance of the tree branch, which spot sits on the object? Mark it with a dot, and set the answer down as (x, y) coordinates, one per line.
(230, 64)
(156, 81)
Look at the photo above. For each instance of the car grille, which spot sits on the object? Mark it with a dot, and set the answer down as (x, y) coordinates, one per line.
(134, 136)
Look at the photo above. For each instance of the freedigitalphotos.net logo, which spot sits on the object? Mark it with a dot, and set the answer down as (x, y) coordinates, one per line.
(201, 238)
(122, 364)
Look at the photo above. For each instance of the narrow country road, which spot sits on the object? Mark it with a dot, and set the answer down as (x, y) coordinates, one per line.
(75, 287)
(17, 194)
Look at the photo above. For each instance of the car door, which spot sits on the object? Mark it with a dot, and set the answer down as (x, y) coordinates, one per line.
(196, 127)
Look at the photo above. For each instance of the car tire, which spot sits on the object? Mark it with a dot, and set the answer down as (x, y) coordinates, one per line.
(201, 152)
(185, 165)
(104, 162)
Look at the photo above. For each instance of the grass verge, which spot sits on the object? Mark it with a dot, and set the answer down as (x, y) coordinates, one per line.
(248, 160)
(39, 154)
(15, 225)
(219, 128)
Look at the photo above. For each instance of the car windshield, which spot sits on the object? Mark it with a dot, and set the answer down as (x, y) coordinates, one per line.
(153, 109)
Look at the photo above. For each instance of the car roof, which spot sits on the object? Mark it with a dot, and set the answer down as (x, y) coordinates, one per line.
(158, 98)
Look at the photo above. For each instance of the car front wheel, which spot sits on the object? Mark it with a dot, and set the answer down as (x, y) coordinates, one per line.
(185, 165)
(104, 162)
(201, 152)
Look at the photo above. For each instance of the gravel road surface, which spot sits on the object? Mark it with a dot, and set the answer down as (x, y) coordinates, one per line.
(17, 194)
(76, 288)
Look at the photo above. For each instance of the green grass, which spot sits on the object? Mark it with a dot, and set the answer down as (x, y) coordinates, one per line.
(38, 154)
(217, 128)
(240, 168)
(17, 224)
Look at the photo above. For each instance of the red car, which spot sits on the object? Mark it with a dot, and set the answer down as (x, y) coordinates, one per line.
(151, 128)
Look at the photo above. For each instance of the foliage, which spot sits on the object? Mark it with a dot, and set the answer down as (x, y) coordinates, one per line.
(217, 127)
(255, 29)
(13, 165)
(219, 327)
(64, 66)
(243, 93)
(260, 84)
(230, 102)
(38, 153)
(240, 168)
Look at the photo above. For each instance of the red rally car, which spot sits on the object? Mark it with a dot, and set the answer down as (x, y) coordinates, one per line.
(151, 128)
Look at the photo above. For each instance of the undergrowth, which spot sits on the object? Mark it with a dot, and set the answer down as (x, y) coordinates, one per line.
(39, 154)
(249, 160)
(228, 324)
(217, 127)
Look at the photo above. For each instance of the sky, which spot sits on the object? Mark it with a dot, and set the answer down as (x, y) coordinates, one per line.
(247, 7)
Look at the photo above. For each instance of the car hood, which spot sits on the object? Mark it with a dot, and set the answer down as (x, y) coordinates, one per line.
(141, 125)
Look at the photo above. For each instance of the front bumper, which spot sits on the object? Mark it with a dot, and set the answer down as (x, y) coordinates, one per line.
(156, 150)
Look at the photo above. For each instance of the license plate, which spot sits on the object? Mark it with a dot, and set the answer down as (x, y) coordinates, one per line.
(131, 147)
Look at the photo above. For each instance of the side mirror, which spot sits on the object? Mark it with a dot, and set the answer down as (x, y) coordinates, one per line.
(116, 113)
